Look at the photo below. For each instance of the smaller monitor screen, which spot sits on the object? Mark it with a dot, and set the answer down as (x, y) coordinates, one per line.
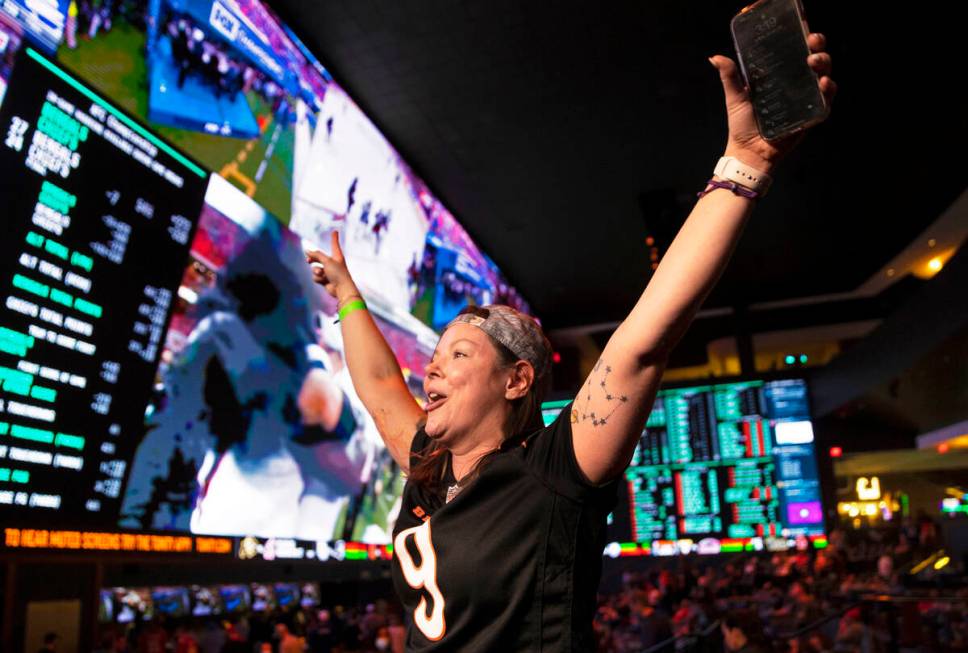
(235, 598)
(171, 601)
(132, 605)
(287, 594)
(105, 606)
(309, 595)
(263, 598)
(206, 601)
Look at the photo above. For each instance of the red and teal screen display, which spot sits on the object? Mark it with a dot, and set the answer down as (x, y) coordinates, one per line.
(720, 468)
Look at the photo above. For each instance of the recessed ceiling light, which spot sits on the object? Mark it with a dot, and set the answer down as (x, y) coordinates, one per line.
(890, 272)
(935, 264)
(932, 242)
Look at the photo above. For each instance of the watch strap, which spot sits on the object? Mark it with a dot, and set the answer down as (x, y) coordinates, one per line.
(734, 170)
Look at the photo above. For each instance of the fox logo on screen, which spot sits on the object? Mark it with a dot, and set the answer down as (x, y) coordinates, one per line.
(224, 21)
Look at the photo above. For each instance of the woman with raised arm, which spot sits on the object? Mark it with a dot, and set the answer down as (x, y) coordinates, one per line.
(499, 541)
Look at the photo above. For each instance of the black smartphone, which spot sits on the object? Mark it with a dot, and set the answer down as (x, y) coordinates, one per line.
(771, 43)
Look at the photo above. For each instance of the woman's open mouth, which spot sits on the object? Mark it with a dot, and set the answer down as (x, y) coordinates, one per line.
(434, 401)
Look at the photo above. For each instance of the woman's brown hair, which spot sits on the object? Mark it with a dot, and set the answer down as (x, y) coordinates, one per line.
(525, 416)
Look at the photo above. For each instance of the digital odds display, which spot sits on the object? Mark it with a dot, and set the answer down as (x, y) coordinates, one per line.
(96, 209)
(720, 468)
(166, 362)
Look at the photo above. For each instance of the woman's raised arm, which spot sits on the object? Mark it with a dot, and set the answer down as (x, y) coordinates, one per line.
(613, 404)
(372, 365)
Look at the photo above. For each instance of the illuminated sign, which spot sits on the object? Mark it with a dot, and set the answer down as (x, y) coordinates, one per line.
(709, 546)
(951, 505)
(869, 489)
(871, 503)
(665, 548)
(882, 508)
(221, 545)
(251, 548)
(871, 509)
(712, 546)
(283, 549)
(247, 548)
(224, 21)
(230, 26)
(776, 544)
(31, 538)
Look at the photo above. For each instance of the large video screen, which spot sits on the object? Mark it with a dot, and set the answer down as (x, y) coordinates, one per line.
(230, 84)
(721, 468)
(233, 442)
(166, 362)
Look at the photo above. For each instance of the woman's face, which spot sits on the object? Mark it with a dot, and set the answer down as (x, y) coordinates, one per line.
(466, 386)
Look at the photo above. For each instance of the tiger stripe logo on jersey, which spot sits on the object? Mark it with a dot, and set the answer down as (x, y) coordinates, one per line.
(422, 576)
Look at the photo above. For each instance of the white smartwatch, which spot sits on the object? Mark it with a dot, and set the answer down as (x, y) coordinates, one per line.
(736, 171)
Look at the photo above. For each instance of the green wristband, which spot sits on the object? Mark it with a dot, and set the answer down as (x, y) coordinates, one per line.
(350, 307)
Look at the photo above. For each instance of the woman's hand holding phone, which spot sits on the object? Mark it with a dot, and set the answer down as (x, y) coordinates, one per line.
(745, 141)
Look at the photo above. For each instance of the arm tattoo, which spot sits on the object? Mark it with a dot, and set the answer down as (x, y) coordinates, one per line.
(597, 384)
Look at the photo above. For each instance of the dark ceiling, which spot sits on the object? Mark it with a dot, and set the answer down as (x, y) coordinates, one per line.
(561, 133)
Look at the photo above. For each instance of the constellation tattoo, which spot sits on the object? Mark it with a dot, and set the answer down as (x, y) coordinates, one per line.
(581, 410)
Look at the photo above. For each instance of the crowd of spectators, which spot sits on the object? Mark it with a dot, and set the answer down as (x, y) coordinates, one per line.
(789, 602)
(195, 53)
(828, 600)
(88, 17)
(370, 628)
(216, 66)
(206, 59)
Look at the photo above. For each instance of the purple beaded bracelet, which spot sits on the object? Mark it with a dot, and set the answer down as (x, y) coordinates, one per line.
(731, 186)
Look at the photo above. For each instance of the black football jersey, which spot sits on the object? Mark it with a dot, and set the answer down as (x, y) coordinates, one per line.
(512, 563)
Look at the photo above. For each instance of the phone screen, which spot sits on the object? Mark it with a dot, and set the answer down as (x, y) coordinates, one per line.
(772, 49)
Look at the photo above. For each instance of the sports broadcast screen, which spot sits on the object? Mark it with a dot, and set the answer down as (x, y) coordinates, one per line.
(166, 362)
(721, 468)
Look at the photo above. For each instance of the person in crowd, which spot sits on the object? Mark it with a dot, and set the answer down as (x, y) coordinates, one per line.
(852, 633)
(288, 643)
(319, 637)
(398, 633)
(741, 633)
(236, 638)
(153, 638)
(211, 637)
(686, 619)
(50, 643)
(185, 640)
(70, 25)
(499, 539)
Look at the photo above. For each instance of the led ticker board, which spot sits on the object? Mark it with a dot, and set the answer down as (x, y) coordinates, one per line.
(114, 542)
(721, 468)
(96, 209)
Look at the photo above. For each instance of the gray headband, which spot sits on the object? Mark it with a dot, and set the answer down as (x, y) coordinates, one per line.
(517, 331)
